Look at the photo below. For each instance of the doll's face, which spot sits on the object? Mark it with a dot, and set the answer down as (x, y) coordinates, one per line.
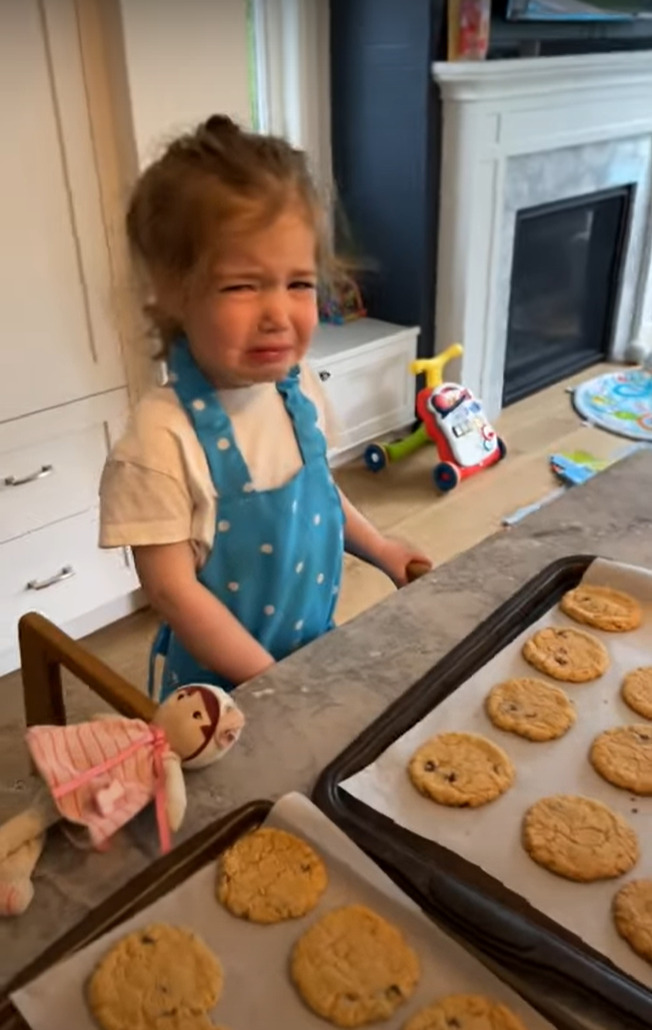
(229, 726)
(201, 723)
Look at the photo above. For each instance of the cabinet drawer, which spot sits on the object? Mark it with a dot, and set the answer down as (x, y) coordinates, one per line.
(49, 470)
(81, 577)
(370, 393)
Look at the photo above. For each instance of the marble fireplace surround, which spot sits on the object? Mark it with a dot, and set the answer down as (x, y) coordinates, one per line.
(521, 133)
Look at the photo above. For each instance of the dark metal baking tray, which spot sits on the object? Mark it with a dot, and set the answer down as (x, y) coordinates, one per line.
(158, 879)
(571, 983)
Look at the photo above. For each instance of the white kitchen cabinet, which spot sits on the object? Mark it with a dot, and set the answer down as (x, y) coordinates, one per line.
(60, 572)
(59, 342)
(50, 466)
(62, 390)
(53, 474)
(364, 367)
(50, 462)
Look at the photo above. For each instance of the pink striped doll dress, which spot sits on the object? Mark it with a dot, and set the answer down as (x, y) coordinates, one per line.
(102, 773)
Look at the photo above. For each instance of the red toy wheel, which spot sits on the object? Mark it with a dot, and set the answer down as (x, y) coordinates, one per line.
(446, 476)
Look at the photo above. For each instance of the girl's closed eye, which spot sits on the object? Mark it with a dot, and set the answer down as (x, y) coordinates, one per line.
(302, 284)
(237, 288)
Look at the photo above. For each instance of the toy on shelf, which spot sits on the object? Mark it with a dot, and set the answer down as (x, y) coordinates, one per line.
(453, 419)
(341, 301)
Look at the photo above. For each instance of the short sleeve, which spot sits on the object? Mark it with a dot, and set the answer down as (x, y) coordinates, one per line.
(140, 506)
(327, 420)
(156, 487)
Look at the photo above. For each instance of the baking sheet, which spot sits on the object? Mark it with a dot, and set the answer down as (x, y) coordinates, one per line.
(491, 836)
(255, 958)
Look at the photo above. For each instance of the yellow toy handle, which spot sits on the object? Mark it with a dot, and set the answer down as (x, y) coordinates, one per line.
(434, 367)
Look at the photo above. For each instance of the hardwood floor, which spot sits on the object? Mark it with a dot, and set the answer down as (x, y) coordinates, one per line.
(402, 501)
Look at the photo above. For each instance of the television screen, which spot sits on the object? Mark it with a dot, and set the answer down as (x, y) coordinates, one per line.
(577, 10)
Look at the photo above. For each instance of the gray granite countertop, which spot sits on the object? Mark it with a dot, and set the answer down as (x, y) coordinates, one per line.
(307, 709)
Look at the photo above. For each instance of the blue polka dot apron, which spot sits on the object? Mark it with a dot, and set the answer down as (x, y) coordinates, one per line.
(276, 560)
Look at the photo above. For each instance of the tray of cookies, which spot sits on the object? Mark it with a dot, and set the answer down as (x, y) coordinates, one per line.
(158, 879)
(291, 926)
(510, 790)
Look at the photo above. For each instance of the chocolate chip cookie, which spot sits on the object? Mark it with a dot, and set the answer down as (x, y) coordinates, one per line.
(270, 875)
(602, 608)
(579, 838)
(352, 967)
(632, 913)
(463, 770)
(567, 654)
(465, 1012)
(531, 709)
(623, 756)
(637, 691)
(159, 976)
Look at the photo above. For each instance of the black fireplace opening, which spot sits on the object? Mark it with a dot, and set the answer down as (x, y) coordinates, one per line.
(566, 274)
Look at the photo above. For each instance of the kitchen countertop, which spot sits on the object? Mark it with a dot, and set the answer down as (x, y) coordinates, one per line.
(306, 710)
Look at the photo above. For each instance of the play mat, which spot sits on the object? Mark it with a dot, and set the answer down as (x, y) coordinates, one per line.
(620, 402)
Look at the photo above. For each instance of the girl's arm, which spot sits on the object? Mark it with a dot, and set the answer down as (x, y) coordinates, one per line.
(205, 627)
(364, 541)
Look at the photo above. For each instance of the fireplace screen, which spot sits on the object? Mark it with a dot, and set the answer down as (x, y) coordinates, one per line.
(566, 272)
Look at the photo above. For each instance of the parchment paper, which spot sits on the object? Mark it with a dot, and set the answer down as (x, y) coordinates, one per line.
(255, 958)
(491, 836)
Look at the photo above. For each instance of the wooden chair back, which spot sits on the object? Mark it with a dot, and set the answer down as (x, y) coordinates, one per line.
(44, 651)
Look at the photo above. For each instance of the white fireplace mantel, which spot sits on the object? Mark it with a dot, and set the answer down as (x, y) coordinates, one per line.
(541, 76)
(517, 133)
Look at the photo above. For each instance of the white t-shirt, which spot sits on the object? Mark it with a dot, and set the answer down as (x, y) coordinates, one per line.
(156, 486)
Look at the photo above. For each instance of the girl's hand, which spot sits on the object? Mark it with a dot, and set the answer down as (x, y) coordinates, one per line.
(390, 556)
(394, 558)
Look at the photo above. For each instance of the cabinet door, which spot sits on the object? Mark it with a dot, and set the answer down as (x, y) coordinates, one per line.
(371, 393)
(58, 341)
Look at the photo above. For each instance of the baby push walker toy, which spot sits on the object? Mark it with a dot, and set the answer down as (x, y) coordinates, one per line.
(453, 419)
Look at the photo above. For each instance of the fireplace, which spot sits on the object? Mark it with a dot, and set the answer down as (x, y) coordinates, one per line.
(566, 274)
(545, 218)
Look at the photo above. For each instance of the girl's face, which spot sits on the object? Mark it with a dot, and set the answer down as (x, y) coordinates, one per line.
(253, 319)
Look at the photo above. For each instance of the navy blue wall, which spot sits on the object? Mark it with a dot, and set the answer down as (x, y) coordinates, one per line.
(386, 132)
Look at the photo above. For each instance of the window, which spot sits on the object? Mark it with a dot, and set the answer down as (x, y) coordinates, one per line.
(290, 83)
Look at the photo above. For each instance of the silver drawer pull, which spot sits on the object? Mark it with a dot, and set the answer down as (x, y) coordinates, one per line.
(45, 470)
(67, 572)
(324, 375)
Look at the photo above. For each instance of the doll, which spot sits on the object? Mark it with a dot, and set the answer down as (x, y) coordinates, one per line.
(98, 775)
